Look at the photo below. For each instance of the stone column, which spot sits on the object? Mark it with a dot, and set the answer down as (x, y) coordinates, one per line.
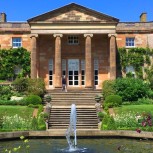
(58, 61)
(88, 62)
(112, 56)
(34, 56)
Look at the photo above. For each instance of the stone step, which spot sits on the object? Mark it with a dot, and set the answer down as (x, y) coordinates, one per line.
(59, 117)
(74, 91)
(78, 127)
(75, 98)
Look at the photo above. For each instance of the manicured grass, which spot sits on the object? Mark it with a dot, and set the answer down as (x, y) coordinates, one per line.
(22, 111)
(2, 81)
(134, 108)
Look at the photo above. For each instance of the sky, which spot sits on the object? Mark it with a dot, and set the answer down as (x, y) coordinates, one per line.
(124, 10)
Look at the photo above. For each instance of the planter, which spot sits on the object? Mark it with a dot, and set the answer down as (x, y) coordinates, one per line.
(48, 98)
(98, 98)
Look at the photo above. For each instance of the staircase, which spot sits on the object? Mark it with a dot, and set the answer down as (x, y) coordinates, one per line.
(61, 107)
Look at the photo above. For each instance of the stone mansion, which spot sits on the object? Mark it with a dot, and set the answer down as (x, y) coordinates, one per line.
(74, 41)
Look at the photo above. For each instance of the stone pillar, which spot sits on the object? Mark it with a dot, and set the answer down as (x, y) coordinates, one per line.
(58, 61)
(88, 62)
(34, 56)
(112, 56)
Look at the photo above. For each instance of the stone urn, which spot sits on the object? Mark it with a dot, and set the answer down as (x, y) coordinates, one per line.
(48, 98)
(98, 98)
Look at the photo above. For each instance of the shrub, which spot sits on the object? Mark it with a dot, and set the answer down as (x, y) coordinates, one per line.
(5, 92)
(33, 106)
(101, 115)
(20, 84)
(34, 123)
(36, 86)
(108, 88)
(113, 100)
(32, 99)
(40, 118)
(145, 101)
(130, 89)
(108, 123)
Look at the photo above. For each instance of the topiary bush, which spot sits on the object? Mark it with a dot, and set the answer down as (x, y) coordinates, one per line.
(32, 99)
(113, 101)
(108, 88)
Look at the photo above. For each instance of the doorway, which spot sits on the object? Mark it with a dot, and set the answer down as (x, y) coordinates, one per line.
(73, 72)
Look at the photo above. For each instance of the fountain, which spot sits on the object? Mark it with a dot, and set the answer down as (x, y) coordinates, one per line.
(87, 145)
(71, 131)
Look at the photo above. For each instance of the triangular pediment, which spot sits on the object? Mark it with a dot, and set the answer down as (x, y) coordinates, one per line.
(73, 13)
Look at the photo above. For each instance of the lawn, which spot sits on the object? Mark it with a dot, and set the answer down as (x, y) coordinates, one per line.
(22, 111)
(134, 108)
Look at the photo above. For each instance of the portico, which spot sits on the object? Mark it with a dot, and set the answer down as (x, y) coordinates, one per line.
(76, 42)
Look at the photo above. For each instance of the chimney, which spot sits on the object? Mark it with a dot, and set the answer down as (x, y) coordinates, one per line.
(143, 17)
(3, 17)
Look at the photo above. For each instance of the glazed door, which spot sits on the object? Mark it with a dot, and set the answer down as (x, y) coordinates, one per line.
(73, 72)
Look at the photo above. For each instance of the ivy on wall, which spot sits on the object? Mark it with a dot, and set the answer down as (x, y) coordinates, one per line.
(14, 58)
(139, 58)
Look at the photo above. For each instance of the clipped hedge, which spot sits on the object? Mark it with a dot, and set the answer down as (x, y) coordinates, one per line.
(113, 101)
(32, 99)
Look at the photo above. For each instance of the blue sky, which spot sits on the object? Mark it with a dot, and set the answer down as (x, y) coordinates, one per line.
(124, 10)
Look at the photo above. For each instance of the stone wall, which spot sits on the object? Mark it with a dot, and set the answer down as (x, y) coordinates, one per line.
(6, 40)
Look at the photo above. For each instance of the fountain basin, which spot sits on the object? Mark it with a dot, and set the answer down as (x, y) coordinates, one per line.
(88, 145)
(81, 133)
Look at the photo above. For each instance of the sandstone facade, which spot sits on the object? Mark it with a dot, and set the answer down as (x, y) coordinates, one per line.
(91, 56)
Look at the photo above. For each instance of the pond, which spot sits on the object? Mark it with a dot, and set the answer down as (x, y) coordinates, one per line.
(88, 145)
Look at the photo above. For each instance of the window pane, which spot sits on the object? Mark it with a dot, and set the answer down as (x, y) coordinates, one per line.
(96, 72)
(96, 82)
(75, 82)
(70, 78)
(82, 77)
(75, 77)
(70, 83)
(82, 72)
(75, 72)
(70, 72)
(82, 82)
(50, 83)
(50, 77)
(63, 73)
(50, 72)
(96, 77)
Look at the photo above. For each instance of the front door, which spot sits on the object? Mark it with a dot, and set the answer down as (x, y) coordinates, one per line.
(73, 72)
